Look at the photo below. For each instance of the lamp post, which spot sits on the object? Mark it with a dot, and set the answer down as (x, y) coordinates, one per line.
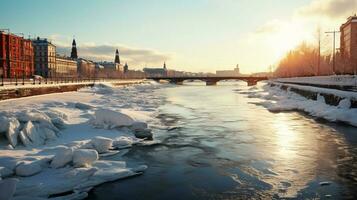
(334, 50)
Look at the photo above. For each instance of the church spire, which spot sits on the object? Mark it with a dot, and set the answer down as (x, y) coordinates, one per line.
(126, 67)
(117, 59)
(74, 50)
(164, 65)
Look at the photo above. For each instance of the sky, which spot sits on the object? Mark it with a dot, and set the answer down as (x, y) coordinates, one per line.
(189, 35)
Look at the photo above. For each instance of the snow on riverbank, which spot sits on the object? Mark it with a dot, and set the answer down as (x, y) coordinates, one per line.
(276, 99)
(57, 143)
(340, 80)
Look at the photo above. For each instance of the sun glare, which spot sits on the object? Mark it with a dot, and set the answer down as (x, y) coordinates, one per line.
(285, 39)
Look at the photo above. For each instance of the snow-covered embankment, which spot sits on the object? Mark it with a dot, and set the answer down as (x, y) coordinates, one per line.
(60, 145)
(330, 104)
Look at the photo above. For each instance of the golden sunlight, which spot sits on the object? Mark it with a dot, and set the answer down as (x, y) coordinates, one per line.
(285, 137)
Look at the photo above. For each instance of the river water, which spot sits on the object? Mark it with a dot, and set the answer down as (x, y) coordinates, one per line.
(216, 143)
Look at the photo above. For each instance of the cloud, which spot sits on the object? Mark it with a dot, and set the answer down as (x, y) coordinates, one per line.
(270, 27)
(106, 52)
(329, 8)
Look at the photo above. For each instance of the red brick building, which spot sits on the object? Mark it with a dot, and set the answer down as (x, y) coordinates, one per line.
(16, 56)
(348, 46)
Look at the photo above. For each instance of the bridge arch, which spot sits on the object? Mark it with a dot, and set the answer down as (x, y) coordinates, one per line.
(210, 80)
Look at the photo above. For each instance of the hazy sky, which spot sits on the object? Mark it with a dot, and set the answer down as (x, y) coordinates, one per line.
(191, 35)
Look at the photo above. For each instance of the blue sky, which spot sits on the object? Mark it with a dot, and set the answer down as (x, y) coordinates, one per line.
(192, 35)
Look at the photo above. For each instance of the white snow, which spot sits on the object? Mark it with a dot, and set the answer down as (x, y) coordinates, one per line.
(63, 156)
(278, 100)
(84, 157)
(341, 80)
(102, 144)
(13, 131)
(108, 119)
(93, 123)
(28, 168)
(344, 104)
(31, 131)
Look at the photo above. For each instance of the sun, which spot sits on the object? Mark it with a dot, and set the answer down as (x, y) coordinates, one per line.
(286, 38)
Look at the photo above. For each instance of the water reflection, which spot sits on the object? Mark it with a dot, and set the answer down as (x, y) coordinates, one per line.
(285, 137)
(218, 145)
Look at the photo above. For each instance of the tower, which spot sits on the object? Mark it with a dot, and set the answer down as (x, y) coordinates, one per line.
(126, 67)
(117, 59)
(164, 65)
(74, 50)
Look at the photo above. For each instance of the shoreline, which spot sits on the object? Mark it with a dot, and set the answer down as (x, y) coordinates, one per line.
(35, 90)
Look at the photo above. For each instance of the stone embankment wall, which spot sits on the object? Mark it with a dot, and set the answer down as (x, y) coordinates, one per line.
(32, 91)
(330, 99)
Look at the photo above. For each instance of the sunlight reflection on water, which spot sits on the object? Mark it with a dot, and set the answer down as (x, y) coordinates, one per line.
(228, 148)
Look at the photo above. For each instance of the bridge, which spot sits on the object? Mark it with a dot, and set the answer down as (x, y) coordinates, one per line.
(210, 80)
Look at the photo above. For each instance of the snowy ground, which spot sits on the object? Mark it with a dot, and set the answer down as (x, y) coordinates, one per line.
(276, 99)
(340, 80)
(57, 143)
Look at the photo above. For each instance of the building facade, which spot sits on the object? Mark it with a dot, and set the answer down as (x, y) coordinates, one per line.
(348, 46)
(156, 72)
(234, 72)
(65, 67)
(86, 68)
(115, 66)
(110, 69)
(16, 56)
(45, 58)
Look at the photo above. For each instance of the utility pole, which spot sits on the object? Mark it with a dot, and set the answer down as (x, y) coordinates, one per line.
(334, 50)
(319, 52)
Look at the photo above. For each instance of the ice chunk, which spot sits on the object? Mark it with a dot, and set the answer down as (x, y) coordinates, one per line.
(123, 142)
(109, 153)
(13, 131)
(139, 126)
(58, 122)
(9, 163)
(7, 188)
(84, 157)
(320, 98)
(344, 104)
(143, 133)
(73, 196)
(28, 168)
(56, 114)
(111, 119)
(44, 124)
(63, 156)
(108, 171)
(24, 139)
(33, 115)
(102, 144)
(82, 106)
(4, 124)
(83, 144)
(5, 172)
(32, 132)
(103, 88)
(47, 134)
(53, 181)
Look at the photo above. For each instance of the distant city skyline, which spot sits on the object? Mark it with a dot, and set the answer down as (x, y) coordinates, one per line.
(201, 35)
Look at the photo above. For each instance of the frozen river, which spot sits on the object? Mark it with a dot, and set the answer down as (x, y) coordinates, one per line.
(216, 143)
